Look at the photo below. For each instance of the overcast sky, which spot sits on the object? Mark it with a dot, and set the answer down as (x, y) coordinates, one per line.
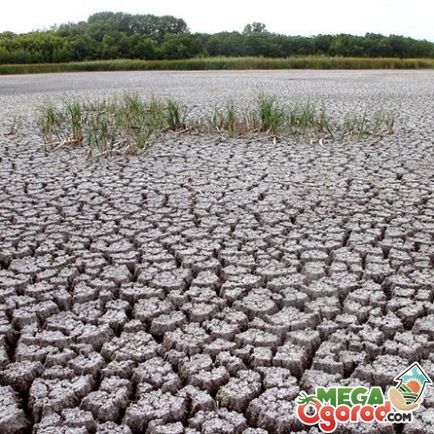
(302, 17)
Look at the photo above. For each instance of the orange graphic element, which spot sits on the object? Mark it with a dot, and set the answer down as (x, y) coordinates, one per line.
(414, 386)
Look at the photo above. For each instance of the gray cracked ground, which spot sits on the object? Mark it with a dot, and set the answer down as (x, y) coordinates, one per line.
(198, 289)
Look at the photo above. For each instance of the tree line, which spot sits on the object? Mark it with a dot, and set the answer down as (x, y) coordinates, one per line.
(109, 35)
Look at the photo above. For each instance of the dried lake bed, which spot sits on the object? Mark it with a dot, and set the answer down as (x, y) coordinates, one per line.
(199, 288)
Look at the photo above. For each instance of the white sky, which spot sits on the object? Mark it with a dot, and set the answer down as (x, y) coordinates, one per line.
(303, 17)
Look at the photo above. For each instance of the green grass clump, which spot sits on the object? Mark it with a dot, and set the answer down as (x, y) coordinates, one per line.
(49, 122)
(127, 125)
(107, 126)
(271, 115)
(360, 126)
(175, 115)
(222, 63)
(227, 120)
(74, 116)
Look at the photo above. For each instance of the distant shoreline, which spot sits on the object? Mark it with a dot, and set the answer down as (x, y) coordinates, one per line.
(222, 63)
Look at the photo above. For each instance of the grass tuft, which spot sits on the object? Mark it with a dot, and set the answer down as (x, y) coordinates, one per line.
(127, 125)
(271, 115)
(175, 115)
(223, 63)
(49, 122)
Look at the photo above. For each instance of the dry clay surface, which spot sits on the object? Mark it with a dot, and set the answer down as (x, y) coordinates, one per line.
(199, 288)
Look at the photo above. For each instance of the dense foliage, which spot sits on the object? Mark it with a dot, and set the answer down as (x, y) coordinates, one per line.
(108, 35)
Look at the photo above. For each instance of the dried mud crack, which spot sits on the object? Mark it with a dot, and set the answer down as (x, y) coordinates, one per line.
(200, 288)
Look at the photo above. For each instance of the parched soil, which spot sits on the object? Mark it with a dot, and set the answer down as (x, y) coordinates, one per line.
(200, 288)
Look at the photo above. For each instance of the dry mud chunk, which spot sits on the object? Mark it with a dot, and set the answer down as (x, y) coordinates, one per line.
(146, 310)
(122, 369)
(239, 391)
(112, 428)
(138, 346)
(274, 410)
(132, 292)
(194, 364)
(320, 288)
(409, 313)
(233, 270)
(58, 372)
(206, 279)
(190, 339)
(276, 377)
(218, 345)
(232, 363)
(135, 325)
(257, 337)
(108, 403)
(67, 423)
(91, 364)
(65, 322)
(31, 353)
(261, 356)
(312, 379)
(24, 267)
(200, 311)
(221, 421)
(84, 293)
(53, 395)
(292, 357)
(157, 427)
(12, 417)
(116, 315)
(200, 372)
(31, 314)
(166, 323)
(425, 325)
(255, 431)
(257, 303)
(362, 428)
(290, 318)
(412, 346)
(244, 279)
(210, 380)
(93, 335)
(47, 338)
(155, 405)
(314, 256)
(20, 375)
(309, 339)
(382, 370)
(222, 329)
(62, 430)
(389, 324)
(271, 269)
(4, 358)
(196, 294)
(172, 280)
(158, 373)
(76, 418)
(351, 359)
(197, 399)
(293, 297)
(327, 307)
(313, 271)
(423, 423)
(326, 358)
(374, 296)
(118, 274)
(59, 358)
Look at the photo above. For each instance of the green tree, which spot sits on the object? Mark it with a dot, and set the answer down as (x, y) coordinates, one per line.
(255, 27)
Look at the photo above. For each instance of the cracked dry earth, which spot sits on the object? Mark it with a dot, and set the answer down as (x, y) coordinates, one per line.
(198, 289)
